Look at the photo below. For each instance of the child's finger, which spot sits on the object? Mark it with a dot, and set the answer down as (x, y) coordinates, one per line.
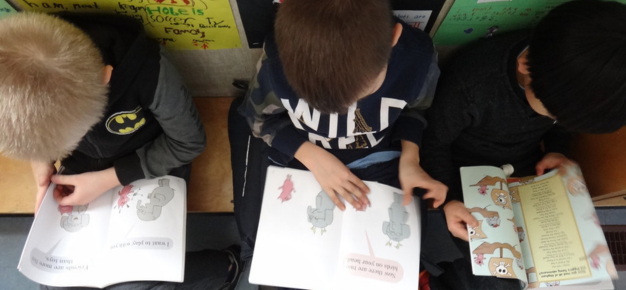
(468, 218)
(359, 183)
(63, 179)
(356, 192)
(349, 198)
(334, 198)
(407, 198)
(458, 230)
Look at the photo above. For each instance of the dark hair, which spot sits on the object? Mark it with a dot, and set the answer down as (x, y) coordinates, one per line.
(577, 63)
(331, 49)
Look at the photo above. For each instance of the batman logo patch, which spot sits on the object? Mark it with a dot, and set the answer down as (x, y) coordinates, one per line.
(126, 122)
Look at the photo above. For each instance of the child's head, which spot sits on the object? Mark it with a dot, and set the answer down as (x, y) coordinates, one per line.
(335, 52)
(577, 65)
(52, 86)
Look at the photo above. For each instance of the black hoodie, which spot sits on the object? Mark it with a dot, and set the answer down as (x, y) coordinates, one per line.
(150, 125)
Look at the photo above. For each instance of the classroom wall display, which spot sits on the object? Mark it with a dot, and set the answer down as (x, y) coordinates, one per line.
(420, 14)
(177, 24)
(5, 9)
(258, 16)
(469, 20)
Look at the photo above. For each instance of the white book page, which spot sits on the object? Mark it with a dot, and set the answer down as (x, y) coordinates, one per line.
(494, 243)
(380, 247)
(64, 246)
(299, 231)
(146, 238)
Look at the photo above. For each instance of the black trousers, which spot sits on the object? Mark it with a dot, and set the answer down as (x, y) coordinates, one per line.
(249, 157)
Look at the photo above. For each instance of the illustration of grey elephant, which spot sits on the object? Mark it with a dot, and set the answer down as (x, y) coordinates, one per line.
(396, 228)
(322, 215)
(75, 219)
(159, 197)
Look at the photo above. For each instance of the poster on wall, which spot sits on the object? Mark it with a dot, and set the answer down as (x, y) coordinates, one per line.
(420, 14)
(469, 20)
(177, 24)
(5, 9)
(258, 16)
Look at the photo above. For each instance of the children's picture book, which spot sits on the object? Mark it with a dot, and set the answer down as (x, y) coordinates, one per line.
(130, 233)
(304, 241)
(541, 230)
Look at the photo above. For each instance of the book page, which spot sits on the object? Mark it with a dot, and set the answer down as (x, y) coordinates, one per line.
(146, 238)
(380, 247)
(299, 231)
(494, 243)
(65, 242)
(562, 230)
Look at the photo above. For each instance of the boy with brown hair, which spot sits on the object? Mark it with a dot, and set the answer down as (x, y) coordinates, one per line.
(92, 91)
(341, 88)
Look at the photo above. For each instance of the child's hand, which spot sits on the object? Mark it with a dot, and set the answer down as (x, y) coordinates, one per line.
(42, 171)
(412, 175)
(81, 189)
(553, 160)
(458, 217)
(334, 177)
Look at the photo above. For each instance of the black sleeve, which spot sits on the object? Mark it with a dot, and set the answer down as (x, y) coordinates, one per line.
(557, 140)
(450, 113)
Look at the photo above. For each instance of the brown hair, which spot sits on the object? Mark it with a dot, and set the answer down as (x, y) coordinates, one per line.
(332, 49)
(51, 86)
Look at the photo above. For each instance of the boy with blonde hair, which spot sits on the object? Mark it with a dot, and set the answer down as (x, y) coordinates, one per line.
(92, 91)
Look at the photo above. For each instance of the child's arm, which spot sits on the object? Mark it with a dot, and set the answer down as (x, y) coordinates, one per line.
(457, 217)
(412, 175)
(450, 113)
(86, 186)
(334, 177)
(183, 137)
(42, 171)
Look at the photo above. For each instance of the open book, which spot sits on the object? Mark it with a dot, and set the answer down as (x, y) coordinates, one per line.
(304, 241)
(130, 233)
(542, 230)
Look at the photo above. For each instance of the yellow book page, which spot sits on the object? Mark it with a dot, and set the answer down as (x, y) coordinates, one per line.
(177, 24)
(553, 235)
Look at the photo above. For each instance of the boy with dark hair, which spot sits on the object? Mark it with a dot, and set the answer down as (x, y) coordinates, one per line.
(340, 88)
(93, 91)
(502, 98)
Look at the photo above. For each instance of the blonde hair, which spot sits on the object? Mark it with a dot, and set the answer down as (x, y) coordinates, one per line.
(51, 86)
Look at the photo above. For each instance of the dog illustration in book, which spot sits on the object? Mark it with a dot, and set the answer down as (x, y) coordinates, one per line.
(487, 181)
(286, 189)
(396, 228)
(498, 266)
(501, 198)
(73, 218)
(476, 233)
(159, 197)
(492, 217)
(322, 215)
(514, 195)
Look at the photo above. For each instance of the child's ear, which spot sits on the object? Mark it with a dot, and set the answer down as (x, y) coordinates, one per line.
(397, 31)
(107, 71)
(522, 63)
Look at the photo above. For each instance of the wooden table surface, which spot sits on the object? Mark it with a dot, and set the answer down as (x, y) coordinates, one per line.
(210, 189)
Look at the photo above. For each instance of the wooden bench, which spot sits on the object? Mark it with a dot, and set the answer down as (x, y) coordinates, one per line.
(210, 189)
(601, 157)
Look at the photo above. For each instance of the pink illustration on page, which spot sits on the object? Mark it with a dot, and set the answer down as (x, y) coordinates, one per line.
(286, 189)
